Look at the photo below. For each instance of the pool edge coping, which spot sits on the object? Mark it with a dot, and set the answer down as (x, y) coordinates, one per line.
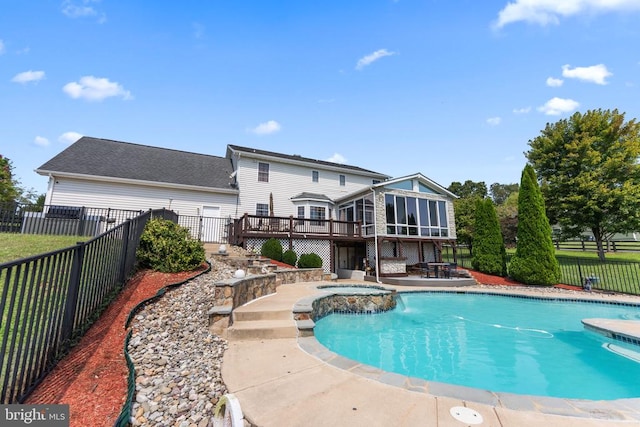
(626, 409)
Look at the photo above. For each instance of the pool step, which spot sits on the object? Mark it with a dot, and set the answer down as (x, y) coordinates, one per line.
(261, 329)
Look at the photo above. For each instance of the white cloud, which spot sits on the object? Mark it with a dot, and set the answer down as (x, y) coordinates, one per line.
(372, 57)
(593, 74)
(556, 106)
(82, 9)
(267, 128)
(41, 141)
(28, 76)
(523, 110)
(1, 47)
(69, 137)
(337, 158)
(553, 82)
(545, 12)
(95, 89)
(494, 121)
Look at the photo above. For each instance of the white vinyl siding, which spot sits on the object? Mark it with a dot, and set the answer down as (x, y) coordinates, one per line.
(100, 194)
(288, 180)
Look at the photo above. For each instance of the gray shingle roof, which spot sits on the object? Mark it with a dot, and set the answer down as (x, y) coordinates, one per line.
(115, 159)
(307, 160)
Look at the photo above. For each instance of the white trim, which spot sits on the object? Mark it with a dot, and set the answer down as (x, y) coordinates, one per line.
(307, 163)
(137, 182)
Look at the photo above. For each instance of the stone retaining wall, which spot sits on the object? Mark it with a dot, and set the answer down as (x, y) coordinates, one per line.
(360, 303)
(232, 293)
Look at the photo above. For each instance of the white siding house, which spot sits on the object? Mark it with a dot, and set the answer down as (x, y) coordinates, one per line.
(262, 175)
(101, 173)
(352, 217)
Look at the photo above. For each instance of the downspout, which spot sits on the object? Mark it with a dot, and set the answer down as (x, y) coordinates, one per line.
(237, 183)
(375, 235)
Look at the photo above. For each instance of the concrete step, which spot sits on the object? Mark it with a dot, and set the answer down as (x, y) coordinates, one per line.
(263, 329)
(244, 314)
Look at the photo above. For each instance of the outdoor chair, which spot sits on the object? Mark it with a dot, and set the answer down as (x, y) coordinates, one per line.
(426, 271)
(451, 270)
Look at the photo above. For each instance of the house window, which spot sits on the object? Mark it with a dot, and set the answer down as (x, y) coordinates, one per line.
(263, 172)
(300, 215)
(416, 217)
(317, 213)
(343, 180)
(262, 209)
(375, 181)
(315, 175)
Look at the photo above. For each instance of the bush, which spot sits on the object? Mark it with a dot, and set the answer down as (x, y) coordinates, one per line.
(310, 261)
(289, 257)
(489, 254)
(169, 248)
(534, 262)
(272, 249)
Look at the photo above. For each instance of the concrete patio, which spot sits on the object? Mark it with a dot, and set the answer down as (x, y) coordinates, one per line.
(284, 380)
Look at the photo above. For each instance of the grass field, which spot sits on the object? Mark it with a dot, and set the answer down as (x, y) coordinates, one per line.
(15, 246)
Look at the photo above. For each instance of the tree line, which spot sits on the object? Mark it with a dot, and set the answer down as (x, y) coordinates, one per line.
(582, 174)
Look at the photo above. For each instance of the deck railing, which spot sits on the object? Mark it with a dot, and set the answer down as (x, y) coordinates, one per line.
(273, 226)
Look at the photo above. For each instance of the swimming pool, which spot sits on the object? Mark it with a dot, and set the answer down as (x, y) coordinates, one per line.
(498, 343)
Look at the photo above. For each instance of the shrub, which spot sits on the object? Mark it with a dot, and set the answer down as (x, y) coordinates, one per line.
(272, 249)
(489, 254)
(289, 257)
(534, 262)
(169, 248)
(310, 261)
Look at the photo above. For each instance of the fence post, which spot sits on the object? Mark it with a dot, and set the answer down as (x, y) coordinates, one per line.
(72, 293)
(126, 231)
(579, 271)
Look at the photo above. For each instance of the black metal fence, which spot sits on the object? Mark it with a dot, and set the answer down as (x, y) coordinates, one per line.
(61, 220)
(207, 229)
(607, 276)
(90, 222)
(48, 301)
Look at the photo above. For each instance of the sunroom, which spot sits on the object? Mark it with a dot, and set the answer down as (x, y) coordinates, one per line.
(405, 221)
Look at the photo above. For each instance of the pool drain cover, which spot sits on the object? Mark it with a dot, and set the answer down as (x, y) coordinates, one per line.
(466, 415)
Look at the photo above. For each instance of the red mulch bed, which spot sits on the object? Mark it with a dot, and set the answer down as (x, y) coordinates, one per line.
(92, 378)
(487, 279)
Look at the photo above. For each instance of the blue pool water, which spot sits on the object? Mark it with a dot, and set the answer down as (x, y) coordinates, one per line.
(502, 344)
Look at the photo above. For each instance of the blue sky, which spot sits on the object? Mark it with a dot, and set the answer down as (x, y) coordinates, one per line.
(453, 89)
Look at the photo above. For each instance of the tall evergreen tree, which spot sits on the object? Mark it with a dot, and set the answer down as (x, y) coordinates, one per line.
(535, 262)
(489, 254)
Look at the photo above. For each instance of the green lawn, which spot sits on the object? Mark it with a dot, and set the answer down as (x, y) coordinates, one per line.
(15, 246)
(619, 273)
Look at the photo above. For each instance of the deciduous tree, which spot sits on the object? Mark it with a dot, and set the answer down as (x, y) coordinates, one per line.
(590, 175)
(501, 192)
